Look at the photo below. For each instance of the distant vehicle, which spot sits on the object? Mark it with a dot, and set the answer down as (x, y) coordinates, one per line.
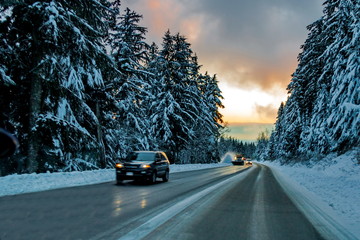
(248, 162)
(238, 160)
(143, 165)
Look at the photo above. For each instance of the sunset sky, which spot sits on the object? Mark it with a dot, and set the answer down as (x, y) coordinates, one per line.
(252, 46)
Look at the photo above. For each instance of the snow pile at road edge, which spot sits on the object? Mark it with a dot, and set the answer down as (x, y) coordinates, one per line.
(328, 191)
(26, 183)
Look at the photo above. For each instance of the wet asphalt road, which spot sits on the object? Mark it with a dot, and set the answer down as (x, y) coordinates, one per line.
(255, 208)
(251, 205)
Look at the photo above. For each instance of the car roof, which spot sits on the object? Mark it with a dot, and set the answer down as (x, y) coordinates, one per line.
(148, 151)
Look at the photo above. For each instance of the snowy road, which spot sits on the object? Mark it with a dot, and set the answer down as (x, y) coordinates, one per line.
(252, 207)
(218, 203)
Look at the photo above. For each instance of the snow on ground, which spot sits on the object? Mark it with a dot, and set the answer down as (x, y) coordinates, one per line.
(25, 183)
(334, 182)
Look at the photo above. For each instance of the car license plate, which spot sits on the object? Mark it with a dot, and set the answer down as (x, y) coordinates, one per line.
(129, 174)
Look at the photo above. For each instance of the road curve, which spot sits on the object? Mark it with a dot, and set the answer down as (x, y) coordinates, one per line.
(223, 203)
(254, 208)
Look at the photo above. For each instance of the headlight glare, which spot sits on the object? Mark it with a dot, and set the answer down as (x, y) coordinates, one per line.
(119, 165)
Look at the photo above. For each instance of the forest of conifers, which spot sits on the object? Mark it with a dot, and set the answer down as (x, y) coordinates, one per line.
(322, 112)
(80, 88)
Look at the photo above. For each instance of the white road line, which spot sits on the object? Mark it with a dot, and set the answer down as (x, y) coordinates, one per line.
(258, 228)
(149, 226)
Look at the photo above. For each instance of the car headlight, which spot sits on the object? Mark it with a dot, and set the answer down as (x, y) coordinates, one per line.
(145, 166)
(119, 165)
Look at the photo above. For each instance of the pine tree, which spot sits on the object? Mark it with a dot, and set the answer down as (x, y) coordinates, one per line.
(208, 125)
(211, 98)
(6, 81)
(184, 111)
(323, 106)
(344, 105)
(129, 52)
(333, 123)
(58, 50)
(6, 87)
(173, 111)
(76, 106)
(262, 145)
(276, 140)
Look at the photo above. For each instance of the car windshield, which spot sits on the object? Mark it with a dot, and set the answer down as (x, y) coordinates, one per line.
(141, 156)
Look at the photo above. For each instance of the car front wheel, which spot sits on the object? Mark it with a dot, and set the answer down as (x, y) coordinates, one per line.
(153, 177)
(165, 178)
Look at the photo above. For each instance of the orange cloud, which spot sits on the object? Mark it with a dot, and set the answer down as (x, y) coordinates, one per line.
(250, 46)
(158, 16)
(248, 72)
(161, 15)
(154, 4)
(191, 28)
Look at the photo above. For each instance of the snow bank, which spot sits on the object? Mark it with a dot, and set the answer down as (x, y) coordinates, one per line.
(332, 185)
(25, 183)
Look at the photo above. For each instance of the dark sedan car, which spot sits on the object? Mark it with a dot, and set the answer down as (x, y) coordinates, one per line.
(143, 165)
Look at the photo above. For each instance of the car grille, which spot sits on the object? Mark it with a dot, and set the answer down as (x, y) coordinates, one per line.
(131, 166)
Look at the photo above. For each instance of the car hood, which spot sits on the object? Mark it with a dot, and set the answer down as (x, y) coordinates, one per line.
(138, 162)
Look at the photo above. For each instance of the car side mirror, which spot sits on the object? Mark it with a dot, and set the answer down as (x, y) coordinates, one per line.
(8, 143)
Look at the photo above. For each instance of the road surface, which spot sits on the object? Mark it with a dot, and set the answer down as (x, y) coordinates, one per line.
(232, 202)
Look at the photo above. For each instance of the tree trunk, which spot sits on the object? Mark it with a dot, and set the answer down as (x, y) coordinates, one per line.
(100, 137)
(35, 107)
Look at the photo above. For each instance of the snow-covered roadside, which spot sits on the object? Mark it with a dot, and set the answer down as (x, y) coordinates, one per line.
(332, 185)
(25, 183)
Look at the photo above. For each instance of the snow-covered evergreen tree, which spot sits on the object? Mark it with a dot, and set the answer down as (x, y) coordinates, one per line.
(211, 98)
(7, 85)
(275, 140)
(5, 64)
(335, 120)
(344, 105)
(323, 106)
(262, 145)
(129, 52)
(77, 104)
(174, 111)
(208, 125)
(184, 108)
(57, 46)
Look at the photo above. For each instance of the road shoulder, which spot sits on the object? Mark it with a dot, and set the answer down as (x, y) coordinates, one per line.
(329, 224)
